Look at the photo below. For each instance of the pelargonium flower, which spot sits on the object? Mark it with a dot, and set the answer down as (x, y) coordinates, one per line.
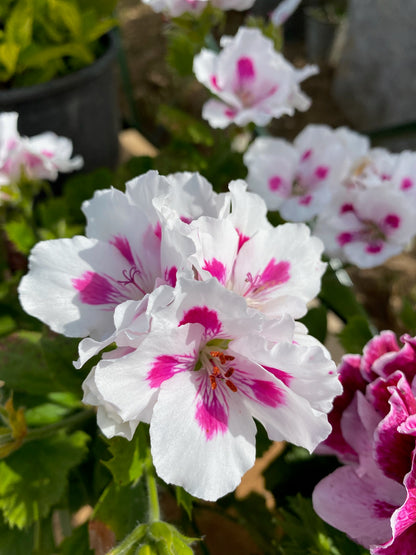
(207, 365)
(373, 434)
(253, 82)
(39, 157)
(299, 179)
(75, 284)
(238, 5)
(366, 226)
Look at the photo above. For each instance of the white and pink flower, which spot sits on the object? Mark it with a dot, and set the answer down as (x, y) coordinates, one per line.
(283, 11)
(205, 368)
(252, 81)
(367, 226)
(175, 8)
(300, 179)
(374, 431)
(39, 157)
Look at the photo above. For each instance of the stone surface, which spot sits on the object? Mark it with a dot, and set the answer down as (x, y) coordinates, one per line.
(375, 82)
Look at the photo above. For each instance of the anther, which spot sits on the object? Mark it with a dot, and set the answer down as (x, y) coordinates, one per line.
(229, 372)
(230, 384)
(213, 382)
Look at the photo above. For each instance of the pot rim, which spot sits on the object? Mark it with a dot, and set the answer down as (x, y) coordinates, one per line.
(72, 80)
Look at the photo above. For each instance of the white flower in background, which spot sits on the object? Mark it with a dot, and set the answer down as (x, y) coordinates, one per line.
(203, 371)
(238, 5)
(39, 157)
(253, 82)
(367, 226)
(299, 179)
(283, 11)
(175, 8)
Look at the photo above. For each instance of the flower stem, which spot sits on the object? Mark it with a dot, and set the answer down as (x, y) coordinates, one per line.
(154, 508)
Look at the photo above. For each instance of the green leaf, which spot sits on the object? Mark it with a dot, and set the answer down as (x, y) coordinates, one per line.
(316, 322)
(184, 127)
(121, 507)
(306, 533)
(9, 54)
(185, 500)
(37, 56)
(180, 52)
(169, 540)
(21, 234)
(340, 298)
(19, 24)
(34, 477)
(408, 315)
(355, 334)
(16, 542)
(30, 362)
(129, 457)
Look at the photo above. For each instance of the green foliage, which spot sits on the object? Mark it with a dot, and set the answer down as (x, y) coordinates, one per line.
(408, 314)
(42, 39)
(34, 477)
(184, 500)
(316, 322)
(355, 334)
(304, 532)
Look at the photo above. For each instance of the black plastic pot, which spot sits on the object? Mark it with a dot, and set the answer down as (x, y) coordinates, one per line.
(82, 106)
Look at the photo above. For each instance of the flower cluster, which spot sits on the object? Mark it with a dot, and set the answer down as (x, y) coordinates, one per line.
(252, 81)
(199, 296)
(360, 197)
(39, 157)
(374, 436)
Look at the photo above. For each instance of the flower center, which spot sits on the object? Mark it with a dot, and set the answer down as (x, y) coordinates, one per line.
(218, 365)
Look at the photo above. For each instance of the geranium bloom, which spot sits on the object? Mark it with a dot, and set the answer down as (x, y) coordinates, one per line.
(253, 82)
(39, 157)
(75, 284)
(372, 498)
(367, 226)
(205, 368)
(238, 5)
(299, 179)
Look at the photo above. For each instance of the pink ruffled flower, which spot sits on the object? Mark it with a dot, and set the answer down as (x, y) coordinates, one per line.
(372, 497)
(39, 157)
(205, 367)
(253, 82)
(300, 179)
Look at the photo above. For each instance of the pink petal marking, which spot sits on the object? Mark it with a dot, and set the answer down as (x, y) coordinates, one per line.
(392, 220)
(406, 183)
(347, 207)
(217, 269)
(374, 248)
(96, 289)
(275, 273)
(275, 183)
(307, 154)
(211, 416)
(170, 276)
(321, 172)
(214, 82)
(204, 316)
(163, 368)
(158, 230)
(32, 160)
(245, 69)
(185, 219)
(241, 239)
(230, 113)
(280, 374)
(344, 238)
(306, 200)
(382, 509)
(267, 393)
(48, 153)
(123, 246)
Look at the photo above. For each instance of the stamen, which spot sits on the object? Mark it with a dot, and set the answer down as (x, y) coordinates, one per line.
(229, 372)
(230, 384)
(213, 382)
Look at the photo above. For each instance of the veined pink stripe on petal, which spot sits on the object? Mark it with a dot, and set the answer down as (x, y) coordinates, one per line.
(96, 289)
(245, 69)
(202, 315)
(268, 393)
(211, 416)
(217, 269)
(241, 239)
(163, 368)
(123, 246)
(170, 276)
(279, 374)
